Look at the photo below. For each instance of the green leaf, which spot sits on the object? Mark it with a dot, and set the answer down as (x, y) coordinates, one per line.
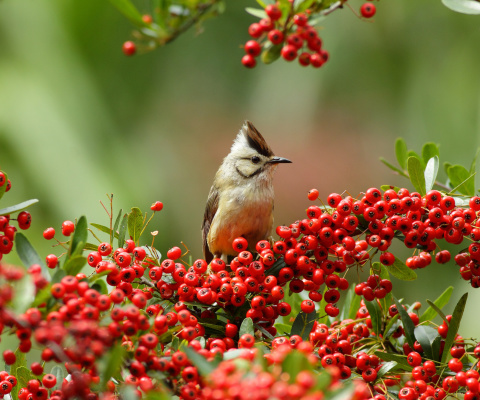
(429, 150)
(74, 265)
(454, 325)
(42, 296)
(263, 3)
(28, 255)
(401, 152)
(389, 187)
(122, 231)
(271, 53)
(128, 392)
(127, 8)
(415, 170)
(461, 180)
(97, 276)
(302, 5)
(115, 227)
(283, 329)
(232, 354)
(59, 373)
(112, 364)
(348, 302)
(438, 311)
(20, 362)
(4, 187)
(58, 275)
(385, 368)
(440, 302)
(471, 7)
(264, 332)
(17, 207)
(426, 336)
(204, 367)
(344, 393)
(256, 12)
(400, 271)
(24, 290)
(375, 315)
(80, 236)
(104, 229)
(135, 223)
(246, 327)
(431, 171)
(294, 362)
(408, 325)
(446, 166)
(303, 324)
(402, 360)
(100, 286)
(23, 375)
(411, 153)
(392, 167)
(354, 306)
(391, 326)
(90, 247)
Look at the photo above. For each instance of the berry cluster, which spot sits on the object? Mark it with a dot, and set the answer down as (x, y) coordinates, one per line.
(287, 30)
(293, 35)
(7, 231)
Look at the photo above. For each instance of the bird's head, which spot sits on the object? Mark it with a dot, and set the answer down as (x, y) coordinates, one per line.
(251, 155)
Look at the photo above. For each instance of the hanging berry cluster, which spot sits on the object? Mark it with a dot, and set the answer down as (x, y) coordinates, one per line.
(286, 29)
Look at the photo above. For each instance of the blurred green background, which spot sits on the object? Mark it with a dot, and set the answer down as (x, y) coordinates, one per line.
(78, 119)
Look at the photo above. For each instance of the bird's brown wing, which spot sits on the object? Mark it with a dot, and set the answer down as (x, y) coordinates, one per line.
(210, 210)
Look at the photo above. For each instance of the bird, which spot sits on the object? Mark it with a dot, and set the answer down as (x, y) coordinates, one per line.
(240, 201)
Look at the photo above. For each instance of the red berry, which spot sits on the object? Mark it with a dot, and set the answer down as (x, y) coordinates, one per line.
(289, 52)
(316, 60)
(174, 253)
(147, 19)
(249, 61)
(275, 36)
(24, 220)
(240, 244)
(304, 59)
(67, 228)
(313, 195)
(49, 233)
(255, 30)
(307, 306)
(36, 368)
(253, 48)
(51, 260)
(49, 381)
(157, 206)
(9, 357)
(273, 11)
(368, 10)
(300, 19)
(129, 48)
(414, 359)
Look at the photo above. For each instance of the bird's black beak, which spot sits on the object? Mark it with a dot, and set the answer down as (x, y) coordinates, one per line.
(279, 160)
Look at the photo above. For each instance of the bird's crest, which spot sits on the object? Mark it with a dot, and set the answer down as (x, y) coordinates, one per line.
(254, 139)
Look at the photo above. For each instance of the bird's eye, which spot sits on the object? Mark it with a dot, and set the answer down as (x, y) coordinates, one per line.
(255, 159)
